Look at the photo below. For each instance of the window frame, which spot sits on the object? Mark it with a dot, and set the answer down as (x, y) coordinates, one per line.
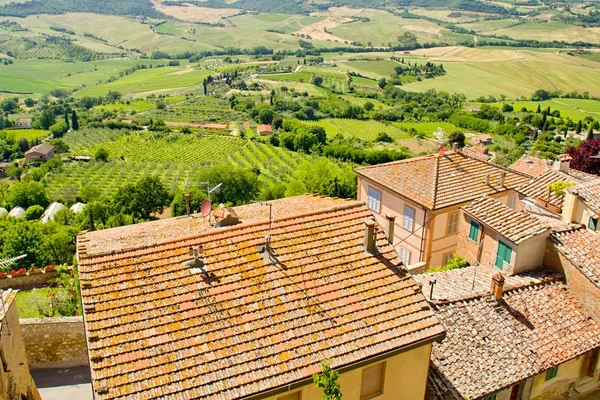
(369, 201)
(552, 373)
(447, 257)
(382, 382)
(512, 202)
(594, 226)
(412, 220)
(474, 227)
(453, 216)
(507, 248)
(408, 255)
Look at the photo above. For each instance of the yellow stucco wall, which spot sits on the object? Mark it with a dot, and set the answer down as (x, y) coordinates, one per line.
(567, 373)
(530, 253)
(405, 379)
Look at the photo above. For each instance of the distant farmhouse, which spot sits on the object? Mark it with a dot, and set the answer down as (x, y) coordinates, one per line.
(24, 123)
(41, 152)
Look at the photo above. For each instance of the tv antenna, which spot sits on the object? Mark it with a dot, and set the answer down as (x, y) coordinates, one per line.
(209, 190)
(4, 262)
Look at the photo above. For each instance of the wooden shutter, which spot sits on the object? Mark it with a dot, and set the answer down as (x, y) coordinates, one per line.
(372, 381)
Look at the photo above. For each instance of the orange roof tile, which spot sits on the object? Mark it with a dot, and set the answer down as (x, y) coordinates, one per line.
(537, 188)
(532, 166)
(589, 192)
(436, 181)
(478, 152)
(133, 236)
(492, 345)
(514, 225)
(244, 322)
(581, 246)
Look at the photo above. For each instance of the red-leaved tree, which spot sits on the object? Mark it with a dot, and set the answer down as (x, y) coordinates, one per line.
(586, 156)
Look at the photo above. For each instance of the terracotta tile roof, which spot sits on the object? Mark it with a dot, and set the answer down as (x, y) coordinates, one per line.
(537, 188)
(478, 152)
(581, 246)
(43, 148)
(240, 325)
(436, 181)
(133, 236)
(493, 345)
(514, 225)
(589, 192)
(265, 129)
(474, 281)
(532, 166)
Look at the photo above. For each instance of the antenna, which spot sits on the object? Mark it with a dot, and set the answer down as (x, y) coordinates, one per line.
(8, 261)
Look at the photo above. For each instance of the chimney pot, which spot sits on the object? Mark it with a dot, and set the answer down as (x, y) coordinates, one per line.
(442, 149)
(370, 245)
(537, 154)
(455, 146)
(487, 180)
(391, 224)
(497, 288)
(502, 178)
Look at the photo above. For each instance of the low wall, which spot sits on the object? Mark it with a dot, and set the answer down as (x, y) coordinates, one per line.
(27, 282)
(54, 342)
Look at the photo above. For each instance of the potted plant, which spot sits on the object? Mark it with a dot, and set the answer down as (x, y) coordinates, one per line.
(19, 272)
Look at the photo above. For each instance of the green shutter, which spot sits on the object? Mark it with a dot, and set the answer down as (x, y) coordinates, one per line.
(551, 373)
(474, 231)
(504, 255)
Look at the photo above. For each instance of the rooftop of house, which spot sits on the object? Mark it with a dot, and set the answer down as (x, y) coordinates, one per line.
(516, 226)
(437, 181)
(478, 152)
(589, 192)
(536, 166)
(580, 246)
(264, 128)
(538, 187)
(492, 345)
(43, 148)
(243, 320)
(140, 235)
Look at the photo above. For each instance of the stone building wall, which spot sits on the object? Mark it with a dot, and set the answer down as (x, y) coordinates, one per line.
(55, 342)
(26, 282)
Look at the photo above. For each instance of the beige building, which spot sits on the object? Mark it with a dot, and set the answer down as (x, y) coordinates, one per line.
(15, 379)
(424, 196)
(250, 309)
(41, 152)
(582, 204)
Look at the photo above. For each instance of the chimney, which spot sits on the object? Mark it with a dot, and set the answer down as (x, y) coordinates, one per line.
(548, 164)
(455, 146)
(502, 178)
(497, 288)
(487, 180)
(389, 232)
(537, 154)
(370, 236)
(563, 163)
(187, 198)
(527, 158)
(442, 149)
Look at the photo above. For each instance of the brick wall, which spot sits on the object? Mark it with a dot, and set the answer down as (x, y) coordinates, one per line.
(585, 290)
(469, 250)
(26, 282)
(55, 342)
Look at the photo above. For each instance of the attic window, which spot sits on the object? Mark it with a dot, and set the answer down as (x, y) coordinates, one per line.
(593, 223)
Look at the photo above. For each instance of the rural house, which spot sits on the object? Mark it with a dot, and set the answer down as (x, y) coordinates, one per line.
(423, 195)
(41, 152)
(481, 140)
(491, 233)
(15, 379)
(250, 310)
(526, 336)
(23, 123)
(264, 130)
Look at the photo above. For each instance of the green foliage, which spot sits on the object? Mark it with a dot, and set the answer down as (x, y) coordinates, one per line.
(59, 129)
(34, 213)
(27, 194)
(240, 185)
(116, 7)
(455, 262)
(327, 380)
(142, 199)
(457, 137)
(323, 177)
(101, 155)
(384, 137)
(558, 188)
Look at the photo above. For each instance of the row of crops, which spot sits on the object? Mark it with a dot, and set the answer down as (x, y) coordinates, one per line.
(203, 109)
(364, 130)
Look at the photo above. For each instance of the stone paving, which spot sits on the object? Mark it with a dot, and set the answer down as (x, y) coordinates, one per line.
(64, 383)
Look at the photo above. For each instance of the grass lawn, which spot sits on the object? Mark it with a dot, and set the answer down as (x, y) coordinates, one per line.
(575, 109)
(28, 134)
(31, 302)
(139, 105)
(375, 68)
(426, 128)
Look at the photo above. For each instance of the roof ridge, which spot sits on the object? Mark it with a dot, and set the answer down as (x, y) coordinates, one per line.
(405, 161)
(351, 205)
(436, 183)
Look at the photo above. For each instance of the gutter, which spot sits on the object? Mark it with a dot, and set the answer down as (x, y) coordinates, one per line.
(383, 356)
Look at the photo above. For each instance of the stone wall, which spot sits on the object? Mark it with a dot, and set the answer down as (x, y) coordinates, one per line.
(55, 342)
(27, 282)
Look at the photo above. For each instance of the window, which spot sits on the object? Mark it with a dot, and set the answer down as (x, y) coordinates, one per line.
(452, 223)
(474, 231)
(504, 255)
(512, 201)
(446, 258)
(372, 381)
(405, 256)
(409, 218)
(492, 397)
(593, 223)
(551, 373)
(292, 396)
(374, 200)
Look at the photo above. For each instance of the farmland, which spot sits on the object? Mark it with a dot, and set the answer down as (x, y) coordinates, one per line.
(29, 134)
(575, 109)
(364, 130)
(197, 110)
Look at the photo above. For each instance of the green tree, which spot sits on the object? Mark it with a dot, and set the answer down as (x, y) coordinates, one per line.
(368, 106)
(29, 102)
(23, 144)
(146, 197)
(59, 129)
(578, 127)
(74, 121)
(265, 116)
(101, 155)
(34, 213)
(46, 120)
(304, 141)
(457, 137)
(327, 380)
(24, 237)
(67, 119)
(240, 186)
(27, 194)
(318, 80)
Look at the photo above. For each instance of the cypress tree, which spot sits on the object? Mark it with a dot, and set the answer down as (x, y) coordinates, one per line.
(67, 118)
(539, 109)
(74, 121)
(590, 134)
(578, 128)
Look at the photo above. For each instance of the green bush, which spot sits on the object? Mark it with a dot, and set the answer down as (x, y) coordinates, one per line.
(456, 262)
(34, 213)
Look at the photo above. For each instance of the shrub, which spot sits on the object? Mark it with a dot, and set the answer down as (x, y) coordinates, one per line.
(456, 262)
(34, 213)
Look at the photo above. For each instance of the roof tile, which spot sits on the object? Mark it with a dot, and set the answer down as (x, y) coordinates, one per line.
(581, 246)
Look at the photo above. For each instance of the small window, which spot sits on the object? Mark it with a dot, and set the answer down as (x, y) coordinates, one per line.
(474, 231)
(551, 373)
(372, 381)
(512, 201)
(593, 223)
(292, 396)
(374, 200)
(446, 258)
(452, 223)
(409, 218)
(405, 256)
(492, 397)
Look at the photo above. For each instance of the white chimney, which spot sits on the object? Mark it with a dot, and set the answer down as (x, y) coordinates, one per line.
(527, 158)
(563, 163)
(455, 146)
(370, 236)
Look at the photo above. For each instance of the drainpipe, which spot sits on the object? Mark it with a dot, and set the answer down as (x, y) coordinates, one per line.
(423, 233)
